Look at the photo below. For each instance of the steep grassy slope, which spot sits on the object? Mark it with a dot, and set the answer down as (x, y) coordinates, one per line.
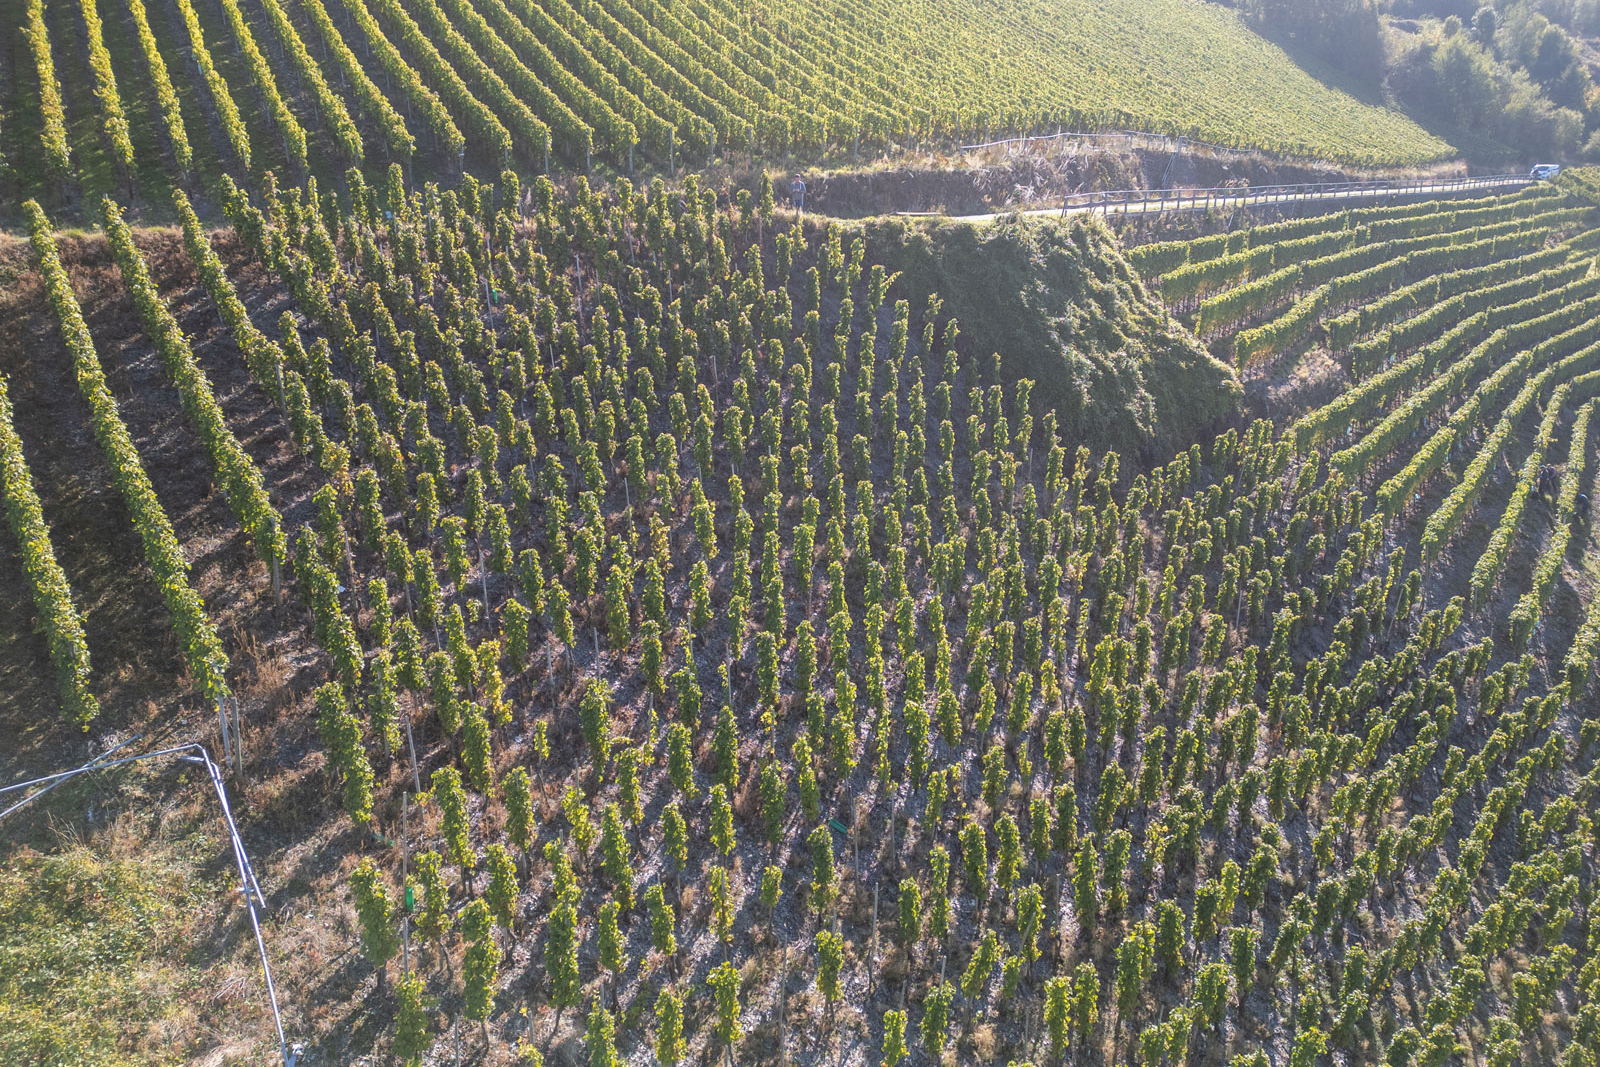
(1164, 65)
(1061, 306)
(107, 949)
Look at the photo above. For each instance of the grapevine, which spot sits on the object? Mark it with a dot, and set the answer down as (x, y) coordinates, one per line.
(202, 645)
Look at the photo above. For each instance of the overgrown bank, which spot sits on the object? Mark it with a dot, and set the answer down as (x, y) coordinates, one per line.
(1059, 304)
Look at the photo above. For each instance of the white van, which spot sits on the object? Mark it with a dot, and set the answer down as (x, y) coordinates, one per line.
(1543, 172)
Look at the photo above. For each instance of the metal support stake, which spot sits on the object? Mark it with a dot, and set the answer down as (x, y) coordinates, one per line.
(238, 740)
(416, 778)
(894, 853)
(872, 960)
(783, 1010)
(483, 574)
(405, 919)
(227, 744)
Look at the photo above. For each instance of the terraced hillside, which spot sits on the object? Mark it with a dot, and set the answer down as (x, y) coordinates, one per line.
(783, 678)
(1367, 284)
(117, 96)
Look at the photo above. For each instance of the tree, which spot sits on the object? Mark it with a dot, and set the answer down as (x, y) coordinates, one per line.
(378, 938)
(1484, 23)
(1464, 75)
(1345, 33)
(670, 1044)
(894, 1038)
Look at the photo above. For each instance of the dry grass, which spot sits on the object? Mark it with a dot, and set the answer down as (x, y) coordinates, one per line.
(132, 913)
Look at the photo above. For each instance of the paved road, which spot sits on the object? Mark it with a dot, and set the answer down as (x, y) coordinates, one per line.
(1159, 201)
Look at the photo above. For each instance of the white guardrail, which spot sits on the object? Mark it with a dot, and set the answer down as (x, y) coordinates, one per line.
(1156, 201)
